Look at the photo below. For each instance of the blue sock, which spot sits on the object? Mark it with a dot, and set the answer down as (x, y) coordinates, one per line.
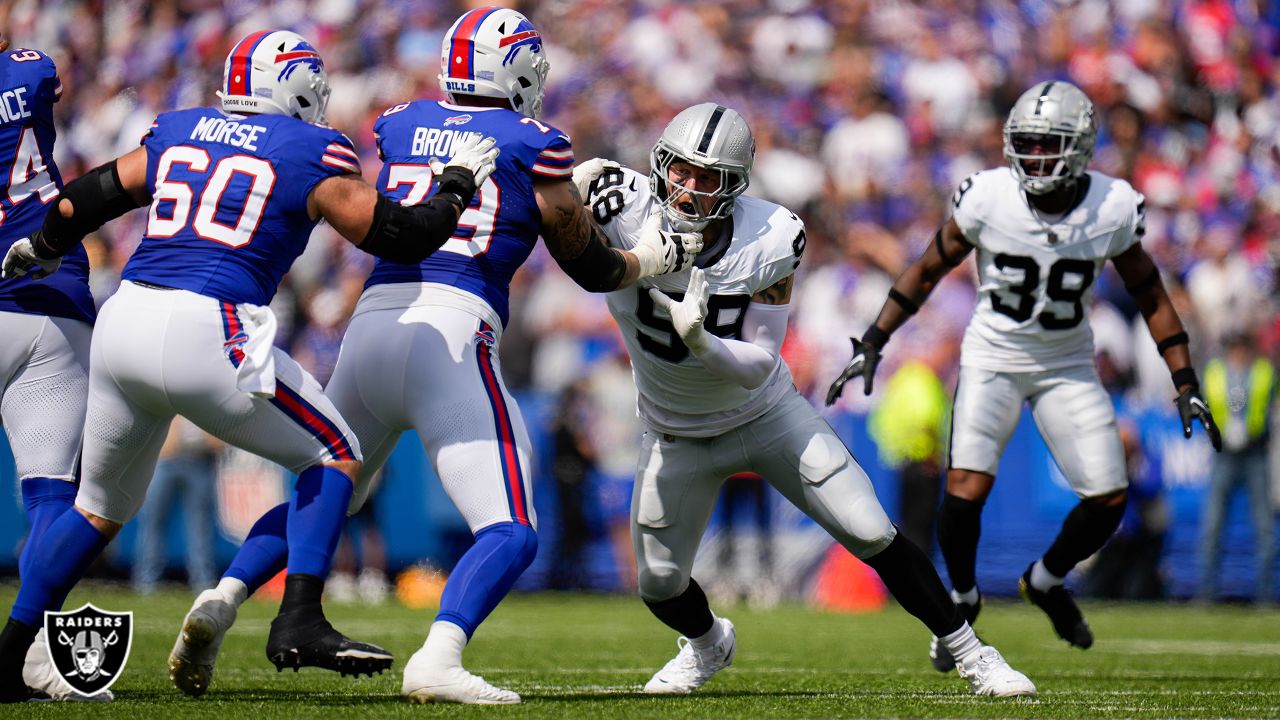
(486, 573)
(317, 512)
(264, 551)
(66, 550)
(44, 499)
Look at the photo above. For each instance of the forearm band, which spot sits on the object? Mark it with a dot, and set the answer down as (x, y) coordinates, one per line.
(875, 337)
(1185, 376)
(947, 260)
(903, 301)
(1145, 284)
(409, 234)
(598, 268)
(1174, 339)
(96, 197)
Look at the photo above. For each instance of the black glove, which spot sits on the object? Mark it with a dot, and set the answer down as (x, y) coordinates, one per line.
(1191, 406)
(866, 357)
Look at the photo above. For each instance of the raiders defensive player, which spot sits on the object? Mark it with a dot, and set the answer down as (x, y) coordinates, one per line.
(716, 398)
(1043, 228)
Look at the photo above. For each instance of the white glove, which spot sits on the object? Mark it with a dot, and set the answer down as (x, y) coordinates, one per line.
(22, 259)
(661, 252)
(586, 173)
(688, 314)
(476, 154)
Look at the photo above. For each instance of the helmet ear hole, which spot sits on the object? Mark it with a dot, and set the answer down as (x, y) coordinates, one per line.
(524, 82)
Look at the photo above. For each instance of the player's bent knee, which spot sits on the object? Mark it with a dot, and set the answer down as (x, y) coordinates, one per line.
(519, 542)
(661, 583)
(1115, 498)
(969, 484)
(108, 528)
(350, 468)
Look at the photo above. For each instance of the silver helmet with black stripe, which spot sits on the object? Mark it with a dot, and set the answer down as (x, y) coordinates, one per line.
(708, 136)
(1049, 136)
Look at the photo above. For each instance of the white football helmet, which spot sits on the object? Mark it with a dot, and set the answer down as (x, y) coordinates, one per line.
(1049, 136)
(709, 136)
(495, 52)
(276, 72)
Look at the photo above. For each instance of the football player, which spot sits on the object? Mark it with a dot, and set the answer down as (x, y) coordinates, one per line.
(1043, 227)
(421, 352)
(716, 398)
(233, 193)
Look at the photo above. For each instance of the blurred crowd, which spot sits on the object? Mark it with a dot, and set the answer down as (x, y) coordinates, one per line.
(867, 115)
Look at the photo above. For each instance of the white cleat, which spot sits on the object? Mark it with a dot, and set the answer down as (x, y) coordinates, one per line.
(39, 673)
(196, 650)
(422, 685)
(989, 674)
(690, 669)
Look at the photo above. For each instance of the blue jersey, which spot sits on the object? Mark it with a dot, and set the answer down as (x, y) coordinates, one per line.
(29, 185)
(498, 231)
(228, 212)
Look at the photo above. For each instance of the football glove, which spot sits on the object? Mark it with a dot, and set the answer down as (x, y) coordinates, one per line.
(661, 252)
(22, 260)
(588, 172)
(477, 154)
(688, 314)
(1192, 406)
(865, 359)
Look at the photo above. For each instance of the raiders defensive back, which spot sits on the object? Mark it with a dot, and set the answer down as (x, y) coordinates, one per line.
(716, 398)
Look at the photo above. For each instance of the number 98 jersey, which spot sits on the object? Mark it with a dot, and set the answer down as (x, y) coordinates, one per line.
(677, 394)
(1036, 272)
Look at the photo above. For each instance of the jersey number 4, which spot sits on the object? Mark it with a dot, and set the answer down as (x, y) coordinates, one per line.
(725, 314)
(1023, 294)
(30, 173)
(171, 203)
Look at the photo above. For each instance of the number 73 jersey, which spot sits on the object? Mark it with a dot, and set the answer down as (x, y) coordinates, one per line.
(1036, 272)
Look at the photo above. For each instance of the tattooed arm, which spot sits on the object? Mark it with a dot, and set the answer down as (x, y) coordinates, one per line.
(576, 242)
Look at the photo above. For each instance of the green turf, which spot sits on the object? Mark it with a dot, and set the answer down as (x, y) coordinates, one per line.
(587, 656)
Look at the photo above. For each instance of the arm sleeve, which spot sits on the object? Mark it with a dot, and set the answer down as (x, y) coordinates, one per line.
(747, 362)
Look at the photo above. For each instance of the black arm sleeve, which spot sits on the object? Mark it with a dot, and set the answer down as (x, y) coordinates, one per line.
(97, 197)
(409, 234)
(597, 268)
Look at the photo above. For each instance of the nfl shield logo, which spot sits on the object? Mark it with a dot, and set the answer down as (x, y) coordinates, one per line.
(88, 646)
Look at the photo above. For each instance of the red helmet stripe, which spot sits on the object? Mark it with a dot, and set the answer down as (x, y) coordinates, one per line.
(462, 47)
(238, 76)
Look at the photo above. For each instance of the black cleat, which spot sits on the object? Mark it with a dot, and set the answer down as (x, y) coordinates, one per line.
(939, 655)
(1061, 609)
(306, 639)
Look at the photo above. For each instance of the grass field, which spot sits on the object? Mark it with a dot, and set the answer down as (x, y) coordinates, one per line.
(587, 656)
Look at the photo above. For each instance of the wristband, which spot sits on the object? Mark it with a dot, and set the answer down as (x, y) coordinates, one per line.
(903, 301)
(875, 337)
(1172, 341)
(1185, 376)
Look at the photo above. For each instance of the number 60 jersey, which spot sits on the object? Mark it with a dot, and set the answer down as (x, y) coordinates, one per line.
(1036, 271)
(677, 394)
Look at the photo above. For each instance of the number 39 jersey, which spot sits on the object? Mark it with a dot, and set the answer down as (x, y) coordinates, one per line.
(677, 394)
(229, 192)
(29, 184)
(1036, 273)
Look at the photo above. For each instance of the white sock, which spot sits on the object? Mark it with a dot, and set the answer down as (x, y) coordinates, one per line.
(1042, 579)
(962, 643)
(708, 640)
(234, 590)
(445, 641)
(969, 597)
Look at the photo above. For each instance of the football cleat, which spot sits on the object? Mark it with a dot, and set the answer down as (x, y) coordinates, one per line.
(691, 668)
(1061, 609)
(196, 649)
(424, 684)
(46, 683)
(989, 674)
(305, 638)
(939, 655)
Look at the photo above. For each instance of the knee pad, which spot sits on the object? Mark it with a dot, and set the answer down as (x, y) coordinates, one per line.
(662, 582)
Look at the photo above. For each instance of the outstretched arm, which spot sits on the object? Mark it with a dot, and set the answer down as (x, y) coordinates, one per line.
(576, 243)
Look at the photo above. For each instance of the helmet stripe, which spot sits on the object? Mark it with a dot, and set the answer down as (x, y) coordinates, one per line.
(1043, 95)
(705, 143)
(462, 47)
(238, 76)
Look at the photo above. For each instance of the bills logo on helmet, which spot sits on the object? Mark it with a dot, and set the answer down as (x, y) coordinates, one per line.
(524, 35)
(88, 646)
(301, 54)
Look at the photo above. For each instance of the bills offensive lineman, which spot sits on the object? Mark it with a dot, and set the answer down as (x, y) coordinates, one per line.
(421, 352)
(234, 193)
(717, 399)
(1043, 227)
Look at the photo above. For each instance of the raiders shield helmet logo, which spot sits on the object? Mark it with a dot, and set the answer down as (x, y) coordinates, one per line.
(88, 646)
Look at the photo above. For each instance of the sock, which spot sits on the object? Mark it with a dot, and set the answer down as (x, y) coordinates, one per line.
(302, 592)
(959, 525)
(67, 548)
(962, 643)
(1087, 528)
(969, 597)
(916, 586)
(688, 613)
(43, 500)
(444, 645)
(264, 552)
(317, 512)
(234, 590)
(15, 641)
(486, 573)
(708, 640)
(1042, 579)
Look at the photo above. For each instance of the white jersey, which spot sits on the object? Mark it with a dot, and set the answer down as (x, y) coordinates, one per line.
(1036, 272)
(677, 395)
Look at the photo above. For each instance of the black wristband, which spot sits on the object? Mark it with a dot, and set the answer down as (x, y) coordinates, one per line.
(1185, 376)
(458, 181)
(875, 337)
(1173, 340)
(903, 301)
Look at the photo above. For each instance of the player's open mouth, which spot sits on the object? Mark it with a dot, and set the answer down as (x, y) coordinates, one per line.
(687, 207)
